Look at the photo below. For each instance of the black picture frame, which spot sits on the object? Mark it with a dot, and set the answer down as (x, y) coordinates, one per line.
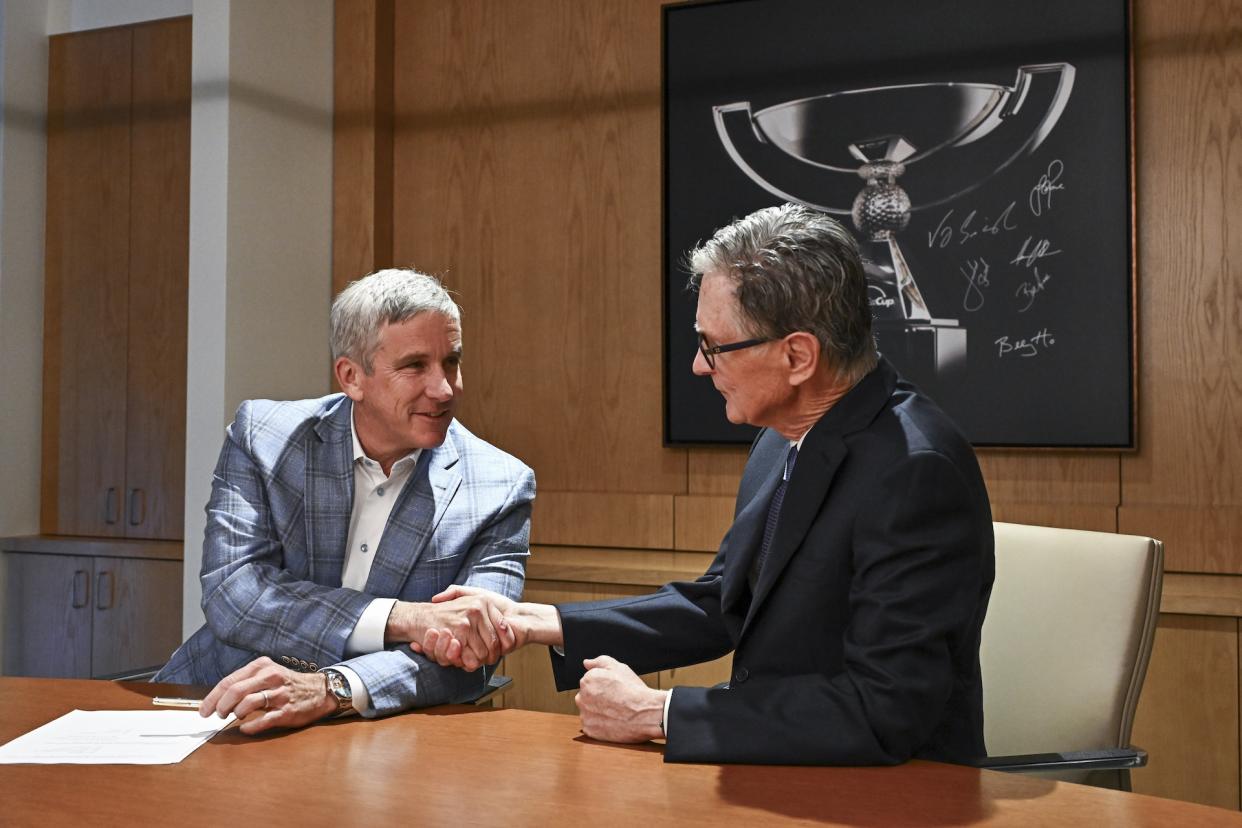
(1028, 261)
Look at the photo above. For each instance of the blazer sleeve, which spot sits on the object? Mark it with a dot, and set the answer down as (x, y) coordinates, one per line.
(250, 600)
(914, 602)
(397, 678)
(679, 624)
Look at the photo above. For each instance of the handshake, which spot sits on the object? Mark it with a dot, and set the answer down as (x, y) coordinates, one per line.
(468, 627)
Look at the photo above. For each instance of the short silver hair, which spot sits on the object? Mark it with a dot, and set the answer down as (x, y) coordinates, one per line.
(386, 297)
(796, 269)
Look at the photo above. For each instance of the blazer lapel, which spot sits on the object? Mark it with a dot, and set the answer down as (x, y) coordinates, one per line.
(812, 477)
(741, 544)
(414, 518)
(823, 452)
(329, 494)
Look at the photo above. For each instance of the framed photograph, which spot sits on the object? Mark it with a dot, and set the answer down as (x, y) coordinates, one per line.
(979, 150)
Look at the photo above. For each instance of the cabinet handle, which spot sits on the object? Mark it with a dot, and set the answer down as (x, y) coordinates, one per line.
(81, 588)
(137, 506)
(99, 590)
(110, 506)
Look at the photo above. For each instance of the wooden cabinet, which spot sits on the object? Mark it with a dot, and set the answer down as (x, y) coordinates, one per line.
(116, 269)
(90, 615)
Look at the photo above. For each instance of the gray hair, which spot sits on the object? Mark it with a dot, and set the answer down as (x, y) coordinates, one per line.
(386, 297)
(796, 269)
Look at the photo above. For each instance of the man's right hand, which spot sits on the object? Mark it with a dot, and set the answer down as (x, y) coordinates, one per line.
(475, 623)
(521, 624)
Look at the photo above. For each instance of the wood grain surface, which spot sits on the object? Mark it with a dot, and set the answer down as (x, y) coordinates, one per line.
(1187, 717)
(527, 172)
(159, 266)
(362, 140)
(465, 765)
(1188, 92)
(86, 268)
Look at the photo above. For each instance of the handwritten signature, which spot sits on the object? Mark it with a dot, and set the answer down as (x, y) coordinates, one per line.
(976, 273)
(1029, 290)
(1029, 347)
(1040, 198)
(970, 227)
(1028, 255)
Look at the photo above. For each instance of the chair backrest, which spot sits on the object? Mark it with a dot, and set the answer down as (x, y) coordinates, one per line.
(1067, 638)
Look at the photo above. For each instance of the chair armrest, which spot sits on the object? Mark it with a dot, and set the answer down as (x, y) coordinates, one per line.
(1106, 759)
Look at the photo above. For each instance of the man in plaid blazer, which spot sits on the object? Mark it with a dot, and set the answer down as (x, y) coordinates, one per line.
(333, 521)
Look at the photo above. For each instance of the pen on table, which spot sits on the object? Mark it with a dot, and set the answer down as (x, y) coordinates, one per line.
(167, 701)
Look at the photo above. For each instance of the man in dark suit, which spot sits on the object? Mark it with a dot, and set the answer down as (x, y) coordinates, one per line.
(854, 581)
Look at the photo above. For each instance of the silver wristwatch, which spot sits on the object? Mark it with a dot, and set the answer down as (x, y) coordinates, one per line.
(338, 687)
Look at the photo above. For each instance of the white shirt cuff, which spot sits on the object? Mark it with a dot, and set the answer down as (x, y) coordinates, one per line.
(368, 634)
(668, 699)
(362, 699)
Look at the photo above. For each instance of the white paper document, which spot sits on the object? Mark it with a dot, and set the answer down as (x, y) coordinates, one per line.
(114, 737)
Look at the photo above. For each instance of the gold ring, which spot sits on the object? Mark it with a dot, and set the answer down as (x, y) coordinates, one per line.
(265, 699)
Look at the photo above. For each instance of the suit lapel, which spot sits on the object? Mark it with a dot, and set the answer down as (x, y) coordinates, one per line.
(741, 544)
(823, 452)
(414, 518)
(329, 494)
(812, 477)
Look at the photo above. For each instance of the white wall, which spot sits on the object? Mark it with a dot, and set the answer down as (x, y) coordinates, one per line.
(23, 68)
(260, 226)
(77, 15)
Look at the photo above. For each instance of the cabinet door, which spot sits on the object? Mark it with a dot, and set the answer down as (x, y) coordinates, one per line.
(87, 273)
(47, 624)
(158, 279)
(137, 621)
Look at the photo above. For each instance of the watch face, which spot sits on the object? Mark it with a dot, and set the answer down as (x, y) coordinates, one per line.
(340, 687)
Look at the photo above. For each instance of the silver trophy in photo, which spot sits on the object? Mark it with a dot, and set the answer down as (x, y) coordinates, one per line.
(915, 147)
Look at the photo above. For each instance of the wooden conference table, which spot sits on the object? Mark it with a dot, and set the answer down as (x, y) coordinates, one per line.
(479, 766)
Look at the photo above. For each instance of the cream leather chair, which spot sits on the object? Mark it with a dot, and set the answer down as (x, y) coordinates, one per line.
(1064, 652)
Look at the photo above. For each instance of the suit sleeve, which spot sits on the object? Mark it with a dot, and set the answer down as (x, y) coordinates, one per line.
(250, 600)
(914, 596)
(398, 678)
(678, 625)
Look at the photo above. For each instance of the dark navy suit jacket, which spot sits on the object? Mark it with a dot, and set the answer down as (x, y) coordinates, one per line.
(860, 643)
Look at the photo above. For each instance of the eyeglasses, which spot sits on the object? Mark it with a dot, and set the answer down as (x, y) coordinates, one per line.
(709, 351)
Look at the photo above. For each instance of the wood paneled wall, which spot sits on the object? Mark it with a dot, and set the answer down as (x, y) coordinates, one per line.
(525, 169)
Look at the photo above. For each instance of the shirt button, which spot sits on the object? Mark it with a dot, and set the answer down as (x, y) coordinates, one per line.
(380, 491)
(741, 675)
(364, 548)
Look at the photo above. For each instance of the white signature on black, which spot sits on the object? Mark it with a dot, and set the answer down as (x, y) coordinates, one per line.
(976, 273)
(1040, 198)
(1031, 346)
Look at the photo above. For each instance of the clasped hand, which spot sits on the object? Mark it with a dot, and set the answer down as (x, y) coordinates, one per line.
(468, 627)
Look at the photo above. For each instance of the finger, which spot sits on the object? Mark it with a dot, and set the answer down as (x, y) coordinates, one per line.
(481, 639)
(599, 661)
(234, 696)
(255, 702)
(259, 721)
(502, 634)
(444, 644)
(454, 591)
(508, 638)
(212, 699)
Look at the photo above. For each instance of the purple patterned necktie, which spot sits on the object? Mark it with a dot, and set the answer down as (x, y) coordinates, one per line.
(774, 513)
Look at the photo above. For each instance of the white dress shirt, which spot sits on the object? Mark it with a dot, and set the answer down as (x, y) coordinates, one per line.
(374, 496)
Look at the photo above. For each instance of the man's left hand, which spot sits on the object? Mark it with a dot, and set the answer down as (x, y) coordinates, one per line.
(615, 704)
(264, 695)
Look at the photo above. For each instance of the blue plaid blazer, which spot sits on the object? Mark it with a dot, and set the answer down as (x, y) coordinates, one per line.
(277, 525)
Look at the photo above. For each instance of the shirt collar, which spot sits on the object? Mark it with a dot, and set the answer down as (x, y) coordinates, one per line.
(359, 454)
